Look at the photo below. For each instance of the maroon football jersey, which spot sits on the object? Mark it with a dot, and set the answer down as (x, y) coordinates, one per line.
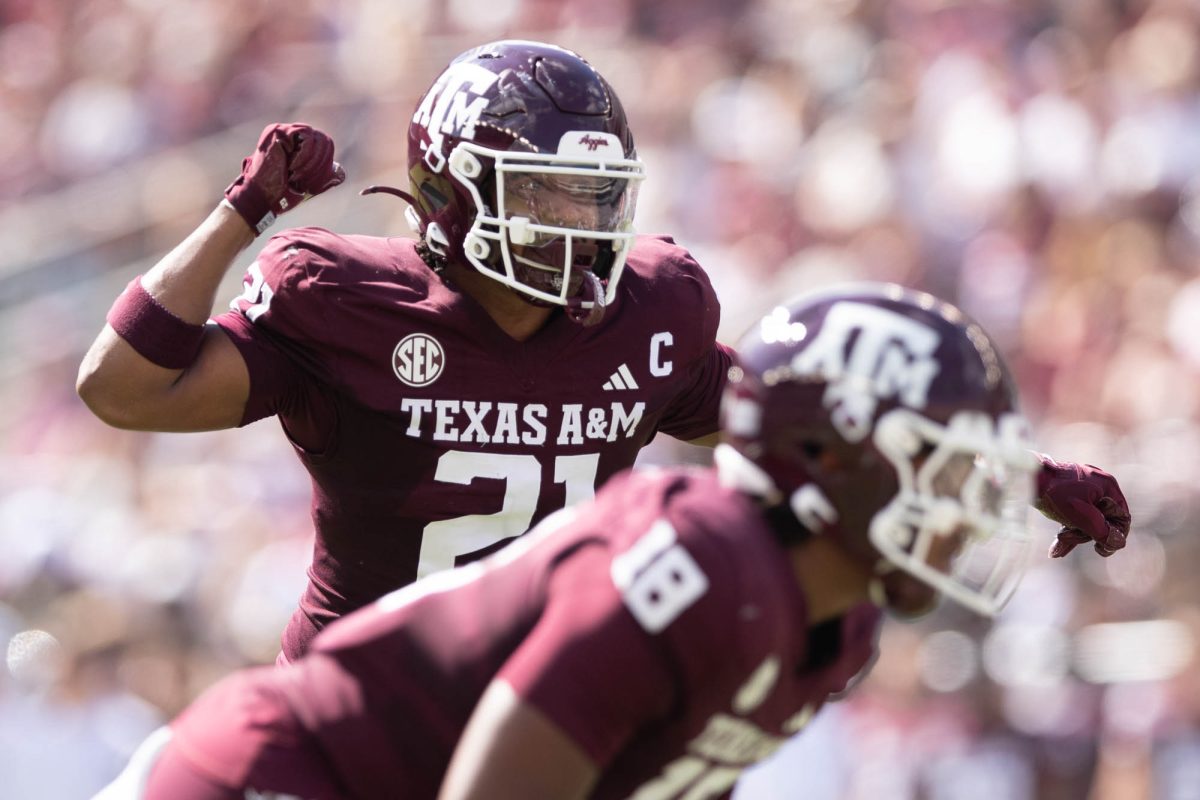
(431, 436)
(661, 628)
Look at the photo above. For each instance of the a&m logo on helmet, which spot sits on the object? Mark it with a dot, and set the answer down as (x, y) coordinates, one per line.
(453, 107)
(891, 356)
(418, 360)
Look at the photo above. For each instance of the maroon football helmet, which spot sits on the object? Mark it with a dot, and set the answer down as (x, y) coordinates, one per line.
(886, 418)
(522, 164)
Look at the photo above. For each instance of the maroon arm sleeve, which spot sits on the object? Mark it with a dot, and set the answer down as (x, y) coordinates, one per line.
(696, 411)
(276, 324)
(276, 381)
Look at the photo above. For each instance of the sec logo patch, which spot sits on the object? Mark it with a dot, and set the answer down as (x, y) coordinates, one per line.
(418, 359)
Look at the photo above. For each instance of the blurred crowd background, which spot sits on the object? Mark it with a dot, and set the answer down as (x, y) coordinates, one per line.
(1034, 161)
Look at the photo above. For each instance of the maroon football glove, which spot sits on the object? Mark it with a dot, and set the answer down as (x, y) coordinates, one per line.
(1087, 502)
(292, 162)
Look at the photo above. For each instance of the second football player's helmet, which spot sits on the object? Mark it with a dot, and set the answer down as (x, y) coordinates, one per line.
(521, 163)
(887, 419)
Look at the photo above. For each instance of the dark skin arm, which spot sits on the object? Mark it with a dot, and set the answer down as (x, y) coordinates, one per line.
(511, 751)
(291, 163)
(128, 391)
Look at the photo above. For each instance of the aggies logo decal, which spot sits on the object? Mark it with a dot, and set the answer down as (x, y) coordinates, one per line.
(418, 359)
(866, 354)
(593, 142)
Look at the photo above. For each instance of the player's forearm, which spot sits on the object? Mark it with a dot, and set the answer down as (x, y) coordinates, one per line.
(511, 751)
(176, 297)
(156, 366)
(185, 281)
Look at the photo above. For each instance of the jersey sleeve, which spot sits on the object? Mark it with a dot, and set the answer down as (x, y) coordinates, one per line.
(587, 665)
(277, 323)
(694, 412)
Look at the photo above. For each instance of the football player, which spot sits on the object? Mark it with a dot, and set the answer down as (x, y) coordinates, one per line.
(444, 392)
(654, 642)
(448, 392)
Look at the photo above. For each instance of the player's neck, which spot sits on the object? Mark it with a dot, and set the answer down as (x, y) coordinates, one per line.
(832, 581)
(518, 319)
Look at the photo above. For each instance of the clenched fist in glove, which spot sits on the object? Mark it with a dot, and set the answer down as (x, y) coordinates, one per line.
(292, 162)
(1087, 502)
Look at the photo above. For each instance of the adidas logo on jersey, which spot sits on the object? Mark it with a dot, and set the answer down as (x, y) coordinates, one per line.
(621, 379)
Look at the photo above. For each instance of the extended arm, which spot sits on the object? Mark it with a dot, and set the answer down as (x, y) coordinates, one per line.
(1087, 502)
(156, 365)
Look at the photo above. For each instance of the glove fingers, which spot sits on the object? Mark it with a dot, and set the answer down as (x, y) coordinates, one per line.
(290, 162)
(1112, 501)
(1109, 487)
(1088, 521)
(293, 134)
(1115, 512)
(1115, 541)
(311, 148)
(1068, 539)
(1087, 502)
(269, 137)
(313, 169)
(335, 179)
(1081, 515)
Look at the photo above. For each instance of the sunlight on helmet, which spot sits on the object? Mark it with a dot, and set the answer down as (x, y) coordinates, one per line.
(775, 327)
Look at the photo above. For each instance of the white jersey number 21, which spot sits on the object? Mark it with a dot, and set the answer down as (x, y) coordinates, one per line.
(444, 540)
